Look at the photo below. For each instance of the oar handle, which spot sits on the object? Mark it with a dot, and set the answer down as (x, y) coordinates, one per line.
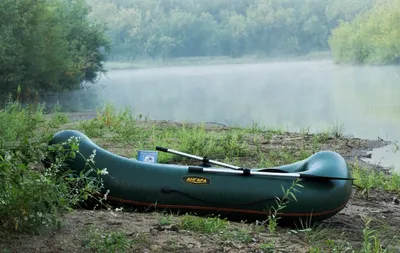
(161, 149)
(203, 159)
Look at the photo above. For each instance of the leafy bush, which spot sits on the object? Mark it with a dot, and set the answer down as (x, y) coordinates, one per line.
(31, 196)
(372, 37)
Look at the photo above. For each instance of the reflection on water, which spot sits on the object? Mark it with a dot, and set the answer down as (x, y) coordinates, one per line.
(294, 95)
(387, 156)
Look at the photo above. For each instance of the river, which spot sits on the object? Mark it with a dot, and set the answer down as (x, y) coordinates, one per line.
(292, 95)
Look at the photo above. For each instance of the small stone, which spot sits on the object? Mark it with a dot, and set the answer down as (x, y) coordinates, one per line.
(227, 249)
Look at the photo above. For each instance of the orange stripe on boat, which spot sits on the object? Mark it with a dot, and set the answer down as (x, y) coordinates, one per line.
(222, 208)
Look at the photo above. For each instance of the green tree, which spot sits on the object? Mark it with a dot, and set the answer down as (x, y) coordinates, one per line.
(48, 45)
(373, 37)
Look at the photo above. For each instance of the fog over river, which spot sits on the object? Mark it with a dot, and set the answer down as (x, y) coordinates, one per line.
(292, 95)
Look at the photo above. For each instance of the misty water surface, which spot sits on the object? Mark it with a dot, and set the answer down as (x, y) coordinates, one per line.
(292, 95)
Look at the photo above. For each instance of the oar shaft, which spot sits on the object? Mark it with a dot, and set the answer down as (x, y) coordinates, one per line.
(252, 172)
(243, 171)
(178, 153)
(224, 165)
(268, 174)
(197, 158)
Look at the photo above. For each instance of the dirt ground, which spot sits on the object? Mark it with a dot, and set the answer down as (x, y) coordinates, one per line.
(157, 238)
(152, 236)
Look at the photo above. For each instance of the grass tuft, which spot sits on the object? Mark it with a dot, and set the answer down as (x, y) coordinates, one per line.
(114, 241)
(203, 225)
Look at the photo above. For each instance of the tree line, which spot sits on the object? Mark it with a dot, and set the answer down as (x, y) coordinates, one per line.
(61, 45)
(190, 28)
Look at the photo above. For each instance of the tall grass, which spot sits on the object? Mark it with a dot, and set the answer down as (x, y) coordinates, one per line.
(367, 179)
(372, 240)
(122, 126)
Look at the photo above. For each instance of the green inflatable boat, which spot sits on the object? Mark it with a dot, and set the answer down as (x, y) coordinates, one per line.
(232, 192)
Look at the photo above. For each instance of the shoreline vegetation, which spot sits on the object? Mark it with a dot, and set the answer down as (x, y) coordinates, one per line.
(43, 214)
(208, 61)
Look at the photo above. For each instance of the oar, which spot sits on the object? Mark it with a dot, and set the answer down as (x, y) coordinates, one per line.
(203, 159)
(270, 174)
(243, 171)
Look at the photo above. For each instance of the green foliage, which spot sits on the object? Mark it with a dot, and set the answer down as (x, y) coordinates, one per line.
(110, 119)
(48, 45)
(281, 204)
(32, 197)
(121, 125)
(232, 146)
(189, 28)
(373, 240)
(196, 140)
(165, 219)
(115, 241)
(371, 38)
(242, 235)
(16, 122)
(367, 179)
(203, 225)
(267, 247)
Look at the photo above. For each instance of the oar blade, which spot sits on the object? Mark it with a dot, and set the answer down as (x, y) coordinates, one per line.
(317, 177)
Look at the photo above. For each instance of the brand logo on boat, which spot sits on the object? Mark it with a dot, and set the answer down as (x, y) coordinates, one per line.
(196, 180)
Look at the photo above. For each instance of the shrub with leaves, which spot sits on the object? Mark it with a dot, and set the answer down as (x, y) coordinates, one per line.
(371, 38)
(33, 196)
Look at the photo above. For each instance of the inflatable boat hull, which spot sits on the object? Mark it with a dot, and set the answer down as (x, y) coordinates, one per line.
(245, 197)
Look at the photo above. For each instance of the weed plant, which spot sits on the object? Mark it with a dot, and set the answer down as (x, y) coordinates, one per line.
(32, 197)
